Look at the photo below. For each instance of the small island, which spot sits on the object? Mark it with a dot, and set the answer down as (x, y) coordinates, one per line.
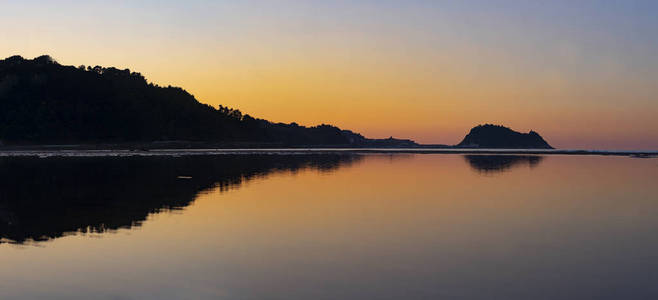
(496, 136)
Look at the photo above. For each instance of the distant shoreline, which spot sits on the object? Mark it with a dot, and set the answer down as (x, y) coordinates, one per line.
(299, 151)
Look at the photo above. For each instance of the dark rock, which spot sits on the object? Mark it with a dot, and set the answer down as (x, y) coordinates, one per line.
(496, 136)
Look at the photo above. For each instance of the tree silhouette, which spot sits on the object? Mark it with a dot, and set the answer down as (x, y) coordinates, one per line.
(42, 101)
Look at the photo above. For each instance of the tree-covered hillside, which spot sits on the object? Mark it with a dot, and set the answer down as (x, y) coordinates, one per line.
(42, 101)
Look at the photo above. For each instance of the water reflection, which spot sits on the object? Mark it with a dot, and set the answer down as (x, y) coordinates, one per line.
(490, 164)
(42, 199)
(424, 227)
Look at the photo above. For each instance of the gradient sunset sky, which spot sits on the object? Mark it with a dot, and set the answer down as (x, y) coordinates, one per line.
(584, 74)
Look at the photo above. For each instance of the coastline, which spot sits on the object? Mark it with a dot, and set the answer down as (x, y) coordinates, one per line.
(43, 153)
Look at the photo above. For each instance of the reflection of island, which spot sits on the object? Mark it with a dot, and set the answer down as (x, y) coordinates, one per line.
(42, 199)
(501, 163)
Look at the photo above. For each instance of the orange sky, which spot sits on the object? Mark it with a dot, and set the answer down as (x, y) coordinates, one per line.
(583, 77)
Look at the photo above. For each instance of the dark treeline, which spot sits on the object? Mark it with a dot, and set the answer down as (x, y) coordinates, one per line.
(42, 101)
(88, 194)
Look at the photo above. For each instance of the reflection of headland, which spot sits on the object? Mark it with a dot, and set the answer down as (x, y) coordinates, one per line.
(42, 199)
(489, 164)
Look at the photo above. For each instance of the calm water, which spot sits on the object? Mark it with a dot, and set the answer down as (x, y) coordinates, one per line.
(339, 226)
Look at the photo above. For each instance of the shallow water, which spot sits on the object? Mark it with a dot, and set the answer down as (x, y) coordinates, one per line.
(329, 226)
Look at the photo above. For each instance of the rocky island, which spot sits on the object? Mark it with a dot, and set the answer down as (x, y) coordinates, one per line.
(496, 136)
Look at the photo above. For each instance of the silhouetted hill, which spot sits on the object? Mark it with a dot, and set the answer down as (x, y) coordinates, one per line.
(43, 102)
(496, 136)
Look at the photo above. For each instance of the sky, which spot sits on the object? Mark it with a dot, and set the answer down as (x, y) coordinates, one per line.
(584, 74)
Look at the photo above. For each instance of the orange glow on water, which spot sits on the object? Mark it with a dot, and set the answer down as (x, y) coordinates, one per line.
(388, 220)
